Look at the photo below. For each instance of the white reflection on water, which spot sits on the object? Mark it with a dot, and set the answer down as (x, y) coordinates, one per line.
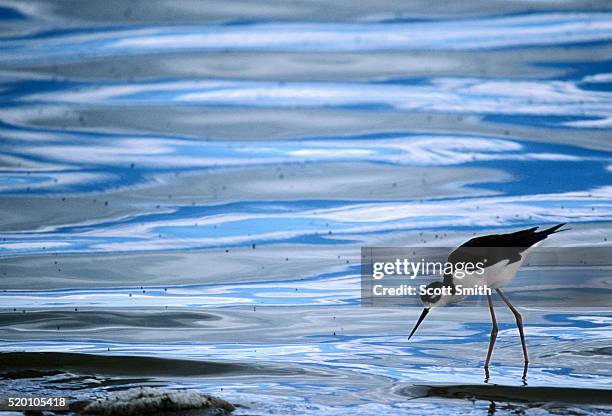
(417, 150)
(350, 220)
(454, 95)
(461, 34)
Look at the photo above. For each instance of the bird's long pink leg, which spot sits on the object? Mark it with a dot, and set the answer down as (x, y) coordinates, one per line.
(519, 323)
(493, 336)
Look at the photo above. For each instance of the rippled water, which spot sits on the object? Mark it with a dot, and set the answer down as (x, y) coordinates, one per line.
(185, 188)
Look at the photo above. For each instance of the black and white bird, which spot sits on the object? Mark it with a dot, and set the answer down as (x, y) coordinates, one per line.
(503, 255)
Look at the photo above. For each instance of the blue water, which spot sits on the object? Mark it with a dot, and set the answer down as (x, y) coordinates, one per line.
(195, 181)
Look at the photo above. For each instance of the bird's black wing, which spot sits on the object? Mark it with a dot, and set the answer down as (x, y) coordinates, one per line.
(498, 247)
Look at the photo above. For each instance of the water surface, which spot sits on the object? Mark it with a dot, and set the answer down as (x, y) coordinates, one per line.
(185, 189)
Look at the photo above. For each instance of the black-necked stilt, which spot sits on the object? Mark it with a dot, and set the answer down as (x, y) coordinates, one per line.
(503, 255)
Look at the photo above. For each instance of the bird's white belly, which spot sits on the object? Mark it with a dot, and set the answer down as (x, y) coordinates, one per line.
(500, 274)
(495, 276)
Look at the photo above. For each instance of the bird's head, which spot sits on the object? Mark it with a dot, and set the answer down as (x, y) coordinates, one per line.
(432, 297)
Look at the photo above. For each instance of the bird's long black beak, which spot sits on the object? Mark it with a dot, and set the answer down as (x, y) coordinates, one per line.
(423, 315)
